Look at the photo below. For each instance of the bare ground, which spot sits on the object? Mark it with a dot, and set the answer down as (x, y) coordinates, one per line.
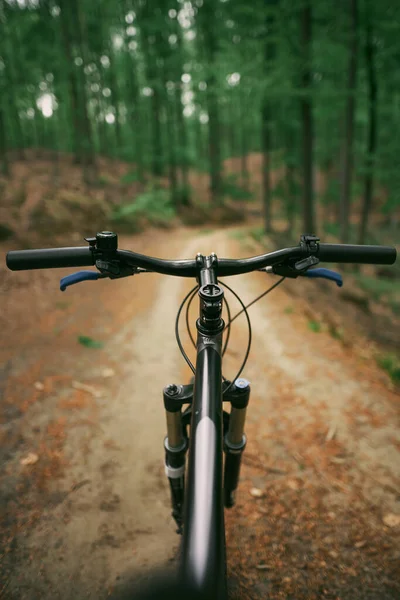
(93, 511)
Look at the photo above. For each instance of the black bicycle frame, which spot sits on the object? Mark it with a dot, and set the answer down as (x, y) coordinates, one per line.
(203, 553)
(203, 563)
(198, 506)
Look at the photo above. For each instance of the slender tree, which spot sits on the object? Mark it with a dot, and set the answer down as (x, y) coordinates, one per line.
(150, 45)
(372, 126)
(266, 112)
(208, 28)
(306, 108)
(348, 137)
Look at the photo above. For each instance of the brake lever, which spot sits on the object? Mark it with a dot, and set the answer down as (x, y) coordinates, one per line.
(78, 277)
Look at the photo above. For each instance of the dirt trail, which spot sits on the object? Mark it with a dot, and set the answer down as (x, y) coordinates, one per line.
(94, 511)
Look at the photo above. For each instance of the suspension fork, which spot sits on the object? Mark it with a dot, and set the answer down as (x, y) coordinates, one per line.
(176, 442)
(176, 446)
(235, 438)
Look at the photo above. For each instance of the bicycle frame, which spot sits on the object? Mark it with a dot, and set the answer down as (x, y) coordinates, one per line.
(203, 562)
(212, 430)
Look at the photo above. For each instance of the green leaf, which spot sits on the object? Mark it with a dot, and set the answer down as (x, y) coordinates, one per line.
(314, 326)
(390, 362)
(89, 342)
(130, 177)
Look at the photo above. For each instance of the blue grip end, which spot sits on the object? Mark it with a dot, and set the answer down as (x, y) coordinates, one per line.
(77, 278)
(325, 274)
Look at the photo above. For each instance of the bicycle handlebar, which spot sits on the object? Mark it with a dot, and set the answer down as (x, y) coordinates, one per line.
(50, 258)
(80, 256)
(351, 253)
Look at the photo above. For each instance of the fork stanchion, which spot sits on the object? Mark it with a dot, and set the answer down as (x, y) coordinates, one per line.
(235, 439)
(175, 445)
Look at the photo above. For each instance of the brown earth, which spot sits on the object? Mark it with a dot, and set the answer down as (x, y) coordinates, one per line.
(91, 511)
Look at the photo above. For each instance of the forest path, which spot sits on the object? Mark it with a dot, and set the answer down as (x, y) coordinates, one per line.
(93, 511)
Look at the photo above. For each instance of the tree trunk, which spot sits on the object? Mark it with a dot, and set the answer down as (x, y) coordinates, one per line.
(135, 110)
(72, 79)
(155, 101)
(291, 197)
(265, 141)
(214, 142)
(11, 50)
(86, 130)
(269, 54)
(372, 131)
(309, 224)
(347, 150)
(182, 132)
(208, 27)
(3, 145)
(243, 140)
(172, 173)
(105, 17)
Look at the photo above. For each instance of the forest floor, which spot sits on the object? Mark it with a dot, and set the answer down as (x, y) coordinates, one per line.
(83, 496)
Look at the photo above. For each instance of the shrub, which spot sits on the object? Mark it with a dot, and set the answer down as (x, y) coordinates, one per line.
(153, 206)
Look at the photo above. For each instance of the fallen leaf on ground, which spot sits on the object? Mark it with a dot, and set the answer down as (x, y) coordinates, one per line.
(87, 388)
(256, 493)
(391, 520)
(263, 567)
(89, 342)
(29, 459)
(360, 544)
(331, 433)
(39, 385)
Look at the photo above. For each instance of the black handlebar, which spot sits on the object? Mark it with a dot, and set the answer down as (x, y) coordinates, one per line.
(50, 258)
(350, 253)
(19, 260)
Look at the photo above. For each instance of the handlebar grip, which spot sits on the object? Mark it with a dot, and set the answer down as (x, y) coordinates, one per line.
(351, 253)
(49, 258)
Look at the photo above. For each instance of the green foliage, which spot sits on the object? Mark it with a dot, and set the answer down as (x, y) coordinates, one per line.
(336, 332)
(182, 195)
(378, 287)
(119, 90)
(390, 362)
(103, 181)
(232, 189)
(89, 342)
(314, 326)
(154, 206)
(258, 234)
(392, 203)
(130, 177)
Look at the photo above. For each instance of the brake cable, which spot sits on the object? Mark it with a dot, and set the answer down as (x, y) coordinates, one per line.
(189, 299)
(177, 336)
(246, 356)
(255, 300)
